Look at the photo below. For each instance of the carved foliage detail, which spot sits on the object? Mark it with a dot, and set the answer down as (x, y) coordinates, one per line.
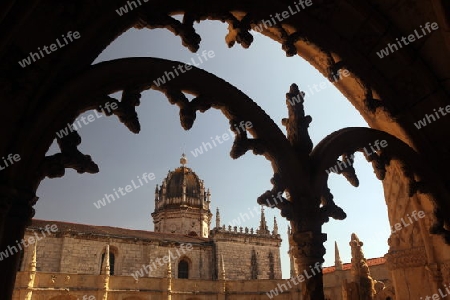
(408, 258)
(70, 157)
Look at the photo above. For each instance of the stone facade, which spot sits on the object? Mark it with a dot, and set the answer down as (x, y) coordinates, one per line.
(68, 265)
(248, 256)
(75, 252)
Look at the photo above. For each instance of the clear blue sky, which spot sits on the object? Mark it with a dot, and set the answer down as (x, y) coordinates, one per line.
(264, 73)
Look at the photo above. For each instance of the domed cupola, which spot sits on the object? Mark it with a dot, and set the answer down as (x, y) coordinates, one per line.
(181, 182)
(182, 195)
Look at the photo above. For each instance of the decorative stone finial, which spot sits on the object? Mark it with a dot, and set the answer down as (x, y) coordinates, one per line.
(217, 218)
(275, 226)
(183, 160)
(107, 262)
(262, 223)
(337, 257)
(360, 271)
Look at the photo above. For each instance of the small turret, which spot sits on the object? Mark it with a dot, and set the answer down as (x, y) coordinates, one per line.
(217, 218)
(275, 226)
(263, 229)
(156, 193)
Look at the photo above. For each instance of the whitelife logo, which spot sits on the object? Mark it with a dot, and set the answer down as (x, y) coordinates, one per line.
(31, 240)
(183, 68)
(244, 216)
(283, 15)
(391, 48)
(165, 260)
(243, 125)
(130, 4)
(53, 47)
(90, 118)
(128, 189)
(438, 296)
(400, 226)
(376, 147)
(341, 73)
(11, 158)
(430, 118)
(274, 292)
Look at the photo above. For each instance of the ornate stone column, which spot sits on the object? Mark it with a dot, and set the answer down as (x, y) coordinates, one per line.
(106, 275)
(16, 211)
(167, 293)
(222, 284)
(309, 252)
(32, 274)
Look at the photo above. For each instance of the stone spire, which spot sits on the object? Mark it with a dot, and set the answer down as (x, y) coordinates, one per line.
(222, 268)
(33, 259)
(358, 259)
(337, 257)
(208, 195)
(262, 223)
(169, 267)
(275, 226)
(360, 271)
(32, 275)
(217, 218)
(292, 262)
(168, 294)
(107, 268)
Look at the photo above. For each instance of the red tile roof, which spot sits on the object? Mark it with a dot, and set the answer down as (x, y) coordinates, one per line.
(347, 266)
(116, 232)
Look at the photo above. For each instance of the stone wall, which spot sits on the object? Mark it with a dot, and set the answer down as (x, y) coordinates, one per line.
(236, 248)
(411, 246)
(82, 255)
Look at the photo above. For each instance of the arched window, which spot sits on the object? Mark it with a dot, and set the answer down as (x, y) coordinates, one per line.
(183, 269)
(112, 259)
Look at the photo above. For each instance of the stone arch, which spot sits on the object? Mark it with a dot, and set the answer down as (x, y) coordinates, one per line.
(311, 47)
(184, 267)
